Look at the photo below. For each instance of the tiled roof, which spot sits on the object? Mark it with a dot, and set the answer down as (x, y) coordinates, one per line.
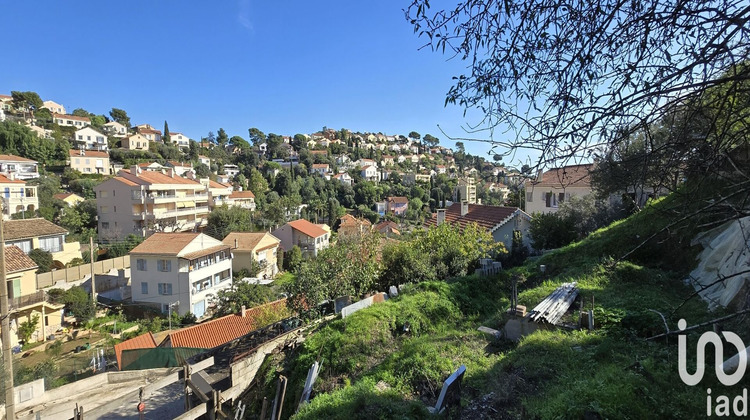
(14, 158)
(71, 117)
(88, 153)
(320, 166)
(205, 251)
(385, 226)
(487, 217)
(16, 260)
(318, 152)
(247, 241)
(63, 196)
(156, 177)
(398, 200)
(242, 194)
(143, 341)
(567, 176)
(307, 228)
(125, 181)
(5, 180)
(165, 243)
(6, 97)
(348, 220)
(30, 228)
(220, 331)
(149, 131)
(214, 184)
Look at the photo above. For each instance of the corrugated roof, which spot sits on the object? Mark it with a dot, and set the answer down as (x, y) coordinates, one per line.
(144, 341)
(165, 243)
(220, 331)
(487, 217)
(247, 241)
(30, 228)
(307, 228)
(16, 260)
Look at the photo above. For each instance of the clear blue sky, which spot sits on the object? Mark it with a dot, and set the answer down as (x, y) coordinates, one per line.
(284, 67)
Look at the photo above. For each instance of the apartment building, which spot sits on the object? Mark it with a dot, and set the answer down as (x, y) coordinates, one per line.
(17, 167)
(89, 161)
(145, 202)
(182, 270)
(466, 190)
(311, 238)
(17, 197)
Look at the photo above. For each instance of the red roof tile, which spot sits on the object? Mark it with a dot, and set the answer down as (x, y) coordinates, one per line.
(5, 180)
(144, 341)
(88, 153)
(156, 177)
(567, 176)
(16, 260)
(71, 117)
(487, 217)
(309, 229)
(398, 200)
(14, 158)
(220, 331)
(242, 194)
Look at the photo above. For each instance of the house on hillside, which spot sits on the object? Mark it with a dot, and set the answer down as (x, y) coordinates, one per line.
(25, 301)
(352, 226)
(71, 199)
(397, 205)
(180, 269)
(88, 138)
(387, 228)
(500, 222)
(18, 168)
(180, 140)
(150, 134)
(135, 142)
(115, 129)
(322, 169)
(64, 120)
(89, 161)
(231, 170)
(17, 197)
(242, 199)
(370, 173)
(54, 107)
(144, 202)
(311, 238)
(261, 247)
(39, 233)
(344, 178)
(553, 187)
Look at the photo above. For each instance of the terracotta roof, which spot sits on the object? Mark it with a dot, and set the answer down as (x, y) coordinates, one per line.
(309, 229)
(348, 220)
(385, 226)
(320, 166)
(398, 200)
(6, 97)
(175, 163)
(318, 152)
(487, 217)
(247, 241)
(156, 177)
(5, 180)
(30, 228)
(214, 184)
(71, 117)
(88, 153)
(63, 196)
(165, 243)
(220, 331)
(242, 194)
(149, 131)
(125, 181)
(16, 260)
(205, 251)
(143, 341)
(14, 158)
(567, 176)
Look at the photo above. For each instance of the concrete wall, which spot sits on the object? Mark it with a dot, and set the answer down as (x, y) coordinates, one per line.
(80, 272)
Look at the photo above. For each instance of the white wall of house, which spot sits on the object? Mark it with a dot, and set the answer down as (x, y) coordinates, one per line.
(536, 200)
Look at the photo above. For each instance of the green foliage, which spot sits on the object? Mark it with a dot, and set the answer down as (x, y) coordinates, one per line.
(293, 259)
(120, 116)
(43, 259)
(230, 301)
(46, 370)
(551, 230)
(224, 220)
(20, 140)
(79, 302)
(122, 248)
(55, 348)
(349, 268)
(27, 328)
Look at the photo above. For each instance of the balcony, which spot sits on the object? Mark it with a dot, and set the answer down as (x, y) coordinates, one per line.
(21, 302)
(170, 198)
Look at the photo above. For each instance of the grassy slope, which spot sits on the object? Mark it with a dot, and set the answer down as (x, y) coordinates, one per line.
(372, 370)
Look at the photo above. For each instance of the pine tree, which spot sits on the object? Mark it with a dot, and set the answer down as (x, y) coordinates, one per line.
(166, 137)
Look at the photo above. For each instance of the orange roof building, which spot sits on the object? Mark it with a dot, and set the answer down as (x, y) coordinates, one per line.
(500, 222)
(309, 237)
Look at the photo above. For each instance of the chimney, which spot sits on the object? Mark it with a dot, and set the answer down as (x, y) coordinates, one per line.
(135, 169)
(440, 216)
(243, 311)
(464, 207)
(235, 243)
(81, 152)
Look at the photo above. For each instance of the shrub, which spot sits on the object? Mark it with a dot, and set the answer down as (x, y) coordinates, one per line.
(43, 259)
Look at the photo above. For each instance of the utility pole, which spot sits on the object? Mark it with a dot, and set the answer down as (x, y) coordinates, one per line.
(10, 409)
(91, 261)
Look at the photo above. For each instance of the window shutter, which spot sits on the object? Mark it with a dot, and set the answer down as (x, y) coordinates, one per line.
(548, 199)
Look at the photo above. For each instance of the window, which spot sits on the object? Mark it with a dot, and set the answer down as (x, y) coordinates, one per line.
(25, 245)
(51, 244)
(105, 225)
(141, 264)
(165, 288)
(144, 288)
(551, 199)
(114, 209)
(103, 194)
(104, 209)
(164, 266)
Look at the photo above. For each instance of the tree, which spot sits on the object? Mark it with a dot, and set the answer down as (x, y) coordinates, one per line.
(80, 112)
(256, 136)
(43, 259)
(166, 138)
(222, 139)
(120, 116)
(26, 101)
(79, 302)
(230, 301)
(567, 76)
(27, 328)
(430, 140)
(293, 259)
(414, 135)
(223, 220)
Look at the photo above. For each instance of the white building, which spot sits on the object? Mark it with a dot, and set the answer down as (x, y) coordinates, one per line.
(180, 139)
(65, 120)
(90, 139)
(17, 167)
(180, 269)
(17, 197)
(231, 170)
(54, 107)
(115, 129)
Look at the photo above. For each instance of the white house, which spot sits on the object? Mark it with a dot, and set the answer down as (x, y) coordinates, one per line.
(17, 167)
(180, 139)
(370, 173)
(344, 178)
(115, 129)
(65, 120)
(180, 269)
(88, 138)
(54, 107)
(231, 170)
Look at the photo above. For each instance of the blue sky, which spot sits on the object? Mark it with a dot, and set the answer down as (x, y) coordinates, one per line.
(283, 67)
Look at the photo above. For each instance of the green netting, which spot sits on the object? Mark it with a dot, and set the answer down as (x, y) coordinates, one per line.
(159, 357)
